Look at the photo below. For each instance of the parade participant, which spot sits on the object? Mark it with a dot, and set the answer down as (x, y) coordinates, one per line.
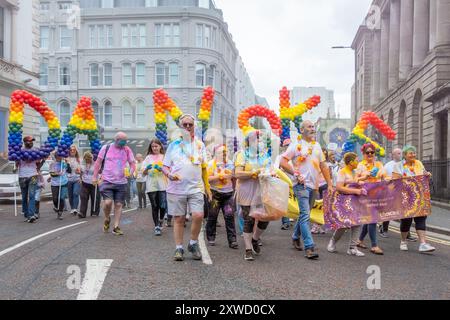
(28, 181)
(185, 165)
(411, 167)
(308, 162)
(140, 181)
(74, 184)
(111, 162)
(127, 174)
(156, 183)
(220, 172)
(40, 187)
(285, 223)
(250, 163)
(369, 171)
(346, 176)
(88, 190)
(59, 170)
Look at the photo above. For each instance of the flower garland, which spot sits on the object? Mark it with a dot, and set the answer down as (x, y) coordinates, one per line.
(163, 103)
(302, 157)
(16, 114)
(194, 157)
(205, 109)
(82, 122)
(409, 168)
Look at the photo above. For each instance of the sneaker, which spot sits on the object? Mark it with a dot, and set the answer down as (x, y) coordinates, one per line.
(331, 246)
(169, 224)
(32, 219)
(60, 217)
(195, 250)
(106, 225)
(260, 242)
(355, 252)
(26, 220)
(383, 234)
(117, 231)
(297, 244)
(285, 226)
(233, 245)
(157, 231)
(256, 248)
(403, 246)
(56, 210)
(212, 243)
(410, 238)
(311, 255)
(425, 247)
(248, 256)
(314, 230)
(179, 255)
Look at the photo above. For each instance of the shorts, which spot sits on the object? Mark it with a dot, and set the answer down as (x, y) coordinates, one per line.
(177, 205)
(115, 192)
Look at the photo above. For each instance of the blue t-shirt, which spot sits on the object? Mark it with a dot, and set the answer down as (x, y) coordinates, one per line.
(62, 179)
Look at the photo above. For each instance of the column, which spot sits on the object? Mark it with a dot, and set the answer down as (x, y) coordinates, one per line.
(443, 23)
(384, 56)
(375, 92)
(406, 38)
(14, 37)
(421, 31)
(437, 135)
(394, 43)
(433, 23)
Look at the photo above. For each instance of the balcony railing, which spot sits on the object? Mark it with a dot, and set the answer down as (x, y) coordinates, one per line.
(440, 181)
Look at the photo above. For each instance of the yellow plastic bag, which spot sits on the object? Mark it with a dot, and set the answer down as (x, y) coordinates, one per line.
(317, 215)
(275, 196)
(293, 208)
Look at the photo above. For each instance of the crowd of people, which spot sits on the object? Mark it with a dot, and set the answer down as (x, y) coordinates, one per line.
(188, 181)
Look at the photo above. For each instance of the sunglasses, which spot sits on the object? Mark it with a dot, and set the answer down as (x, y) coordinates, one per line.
(188, 125)
(370, 152)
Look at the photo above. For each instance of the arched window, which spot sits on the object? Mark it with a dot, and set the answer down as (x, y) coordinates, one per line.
(141, 114)
(108, 114)
(107, 74)
(416, 123)
(140, 74)
(64, 74)
(64, 113)
(93, 75)
(174, 74)
(127, 75)
(402, 125)
(128, 114)
(160, 74)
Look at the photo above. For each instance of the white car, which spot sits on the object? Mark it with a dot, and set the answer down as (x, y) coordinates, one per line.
(9, 182)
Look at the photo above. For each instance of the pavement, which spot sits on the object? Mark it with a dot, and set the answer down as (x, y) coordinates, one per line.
(43, 261)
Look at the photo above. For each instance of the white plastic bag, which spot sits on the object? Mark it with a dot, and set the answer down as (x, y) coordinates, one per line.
(275, 198)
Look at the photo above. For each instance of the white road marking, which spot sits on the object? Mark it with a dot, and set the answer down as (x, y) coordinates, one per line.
(21, 244)
(129, 210)
(94, 278)
(205, 254)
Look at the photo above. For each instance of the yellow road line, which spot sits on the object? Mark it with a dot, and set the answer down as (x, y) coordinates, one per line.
(432, 239)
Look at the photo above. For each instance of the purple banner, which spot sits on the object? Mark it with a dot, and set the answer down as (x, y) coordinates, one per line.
(385, 201)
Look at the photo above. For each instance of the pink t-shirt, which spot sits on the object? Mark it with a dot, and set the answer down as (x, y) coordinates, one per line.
(115, 163)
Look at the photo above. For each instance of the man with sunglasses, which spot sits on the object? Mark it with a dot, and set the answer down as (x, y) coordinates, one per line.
(111, 163)
(185, 165)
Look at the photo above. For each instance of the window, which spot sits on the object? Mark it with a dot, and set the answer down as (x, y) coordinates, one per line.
(108, 114)
(127, 75)
(43, 74)
(66, 5)
(167, 35)
(158, 35)
(101, 36)
(214, 39)
(107, 72)
(140, 74)
(160, 75)
(64, 74)
(98, 112)
(203, 4)
(207, 36)
(176, 35)
(151, 3)
(44, 38)
(199, 36)
(44, 6)
(65, 37)
(107, 3)
(127, 111)
(92, 37)
(200, 75)
(210, 76)
(134, 35)
(173, 74)
(2, 31)
(93, 72)
(64, 113)
(124, 36)
(109, 35)
(141, 115)
(142, 35)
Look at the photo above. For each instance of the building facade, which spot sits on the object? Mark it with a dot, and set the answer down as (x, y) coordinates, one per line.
(402, 59)
(19, 63)
(326, 109)
(332, 134)
(125, 49)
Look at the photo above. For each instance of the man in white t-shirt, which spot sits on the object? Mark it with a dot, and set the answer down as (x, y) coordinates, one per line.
(308, 162)
(185, 164)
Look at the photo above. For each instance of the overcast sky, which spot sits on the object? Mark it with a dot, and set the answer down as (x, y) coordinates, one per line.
(288, 42)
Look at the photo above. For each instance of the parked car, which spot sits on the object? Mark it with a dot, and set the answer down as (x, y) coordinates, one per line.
(9, 182)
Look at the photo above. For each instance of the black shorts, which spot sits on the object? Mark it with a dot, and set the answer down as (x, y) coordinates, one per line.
(115, 192)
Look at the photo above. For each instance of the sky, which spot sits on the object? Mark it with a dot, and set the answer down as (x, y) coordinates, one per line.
(288, 43)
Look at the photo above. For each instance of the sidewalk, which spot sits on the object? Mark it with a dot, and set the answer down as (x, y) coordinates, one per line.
(439, 221)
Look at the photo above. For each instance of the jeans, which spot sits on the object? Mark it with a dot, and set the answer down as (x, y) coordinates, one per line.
(28, 187)
(285, 220)
(141, 194)
(74, 188)
(304, 196)
(158, 201)
(372, 230)
(354, 232)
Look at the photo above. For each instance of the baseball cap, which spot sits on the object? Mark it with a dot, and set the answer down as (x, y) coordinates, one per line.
(28, 138)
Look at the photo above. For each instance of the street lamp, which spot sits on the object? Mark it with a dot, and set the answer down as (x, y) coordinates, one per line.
(341, 47)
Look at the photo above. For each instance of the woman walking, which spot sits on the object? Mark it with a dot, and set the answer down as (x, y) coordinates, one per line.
(74, 184)
(89, 192)
(140, 181)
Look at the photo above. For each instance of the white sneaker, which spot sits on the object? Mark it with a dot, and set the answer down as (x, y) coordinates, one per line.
(331, 246)
(403, 246)
(425, 247)
(355, 252)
